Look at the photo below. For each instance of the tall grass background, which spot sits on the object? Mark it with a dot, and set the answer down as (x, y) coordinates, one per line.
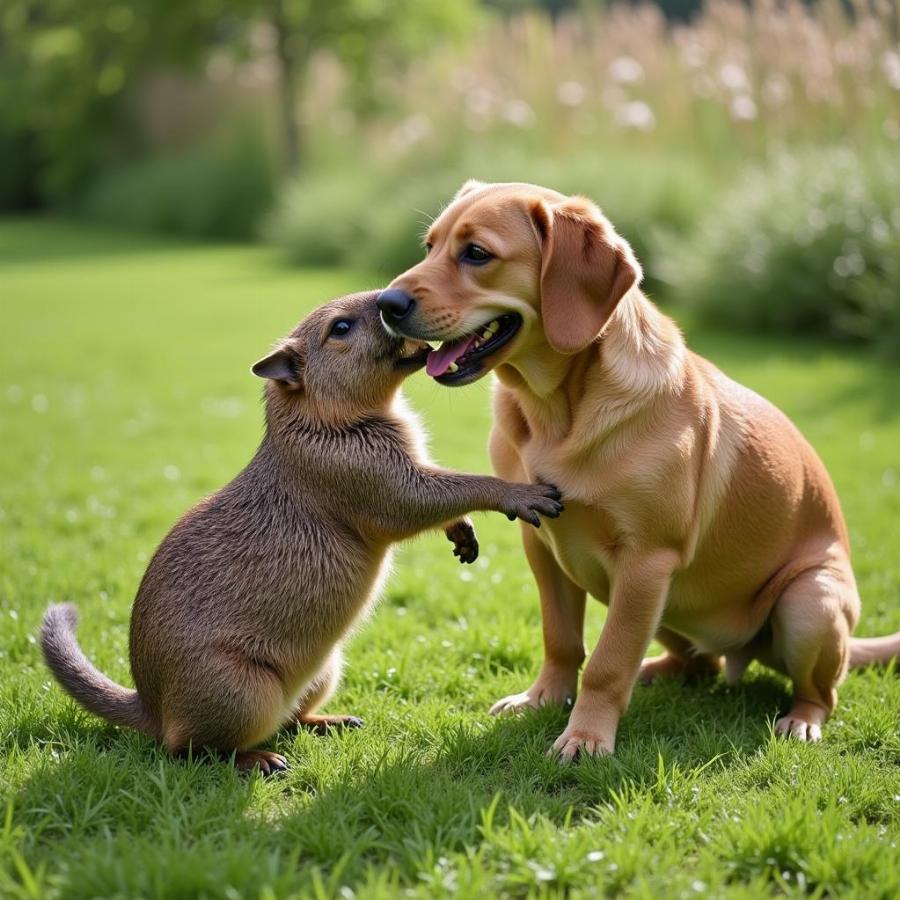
(743, 126)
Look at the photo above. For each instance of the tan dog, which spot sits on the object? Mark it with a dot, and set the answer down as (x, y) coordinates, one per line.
(695, 509)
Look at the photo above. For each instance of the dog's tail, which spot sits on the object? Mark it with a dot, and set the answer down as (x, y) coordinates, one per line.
(82, 680)
(866, 651)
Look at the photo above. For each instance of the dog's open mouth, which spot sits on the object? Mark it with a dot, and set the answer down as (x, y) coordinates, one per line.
(412, 354)
(462, 361)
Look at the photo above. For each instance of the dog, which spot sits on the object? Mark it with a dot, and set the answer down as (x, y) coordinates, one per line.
(696, 511)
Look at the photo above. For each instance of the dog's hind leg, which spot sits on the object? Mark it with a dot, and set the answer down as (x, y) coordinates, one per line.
(681, 660)
(811, 624)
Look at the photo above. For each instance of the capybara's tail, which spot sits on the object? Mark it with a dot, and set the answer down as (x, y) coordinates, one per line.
(80, 678)
(867, 651)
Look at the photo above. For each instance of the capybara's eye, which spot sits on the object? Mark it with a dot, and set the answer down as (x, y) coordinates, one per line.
(340, 328)
(476, 254)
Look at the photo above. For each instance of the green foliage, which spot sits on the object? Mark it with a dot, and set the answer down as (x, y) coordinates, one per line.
(125, 396)
(67, 68)
(70, 70)
(220, 189)
(808, 244)
(375, 220)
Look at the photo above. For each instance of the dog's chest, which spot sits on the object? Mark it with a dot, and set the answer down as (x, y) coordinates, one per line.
(581, 548)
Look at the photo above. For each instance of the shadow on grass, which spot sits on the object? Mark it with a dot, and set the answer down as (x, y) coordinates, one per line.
(352, 812)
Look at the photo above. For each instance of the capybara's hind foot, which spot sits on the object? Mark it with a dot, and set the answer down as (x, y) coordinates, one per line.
(266, 761)
(324, 724)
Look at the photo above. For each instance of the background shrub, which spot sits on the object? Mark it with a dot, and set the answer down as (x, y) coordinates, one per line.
(219, 189)
(807, 244)
(375, 220)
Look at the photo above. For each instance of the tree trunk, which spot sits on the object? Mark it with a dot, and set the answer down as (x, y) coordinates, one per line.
(287, 89)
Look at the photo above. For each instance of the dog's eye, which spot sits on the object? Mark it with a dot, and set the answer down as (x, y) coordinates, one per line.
(340, 328)
(475, 254)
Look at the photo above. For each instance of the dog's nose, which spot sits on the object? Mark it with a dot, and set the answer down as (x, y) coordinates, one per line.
(395, 305)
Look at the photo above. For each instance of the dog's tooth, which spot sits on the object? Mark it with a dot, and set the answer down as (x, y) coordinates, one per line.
(494, 327)
(453, 367)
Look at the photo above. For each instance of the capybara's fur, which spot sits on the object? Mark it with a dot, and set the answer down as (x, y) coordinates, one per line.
(238, 623)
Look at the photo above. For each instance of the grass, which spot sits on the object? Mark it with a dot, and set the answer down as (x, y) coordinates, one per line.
(125, 396)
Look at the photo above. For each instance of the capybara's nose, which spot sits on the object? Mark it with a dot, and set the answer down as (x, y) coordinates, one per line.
(395, 305)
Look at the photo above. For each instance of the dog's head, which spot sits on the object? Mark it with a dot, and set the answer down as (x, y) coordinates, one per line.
(509, 267)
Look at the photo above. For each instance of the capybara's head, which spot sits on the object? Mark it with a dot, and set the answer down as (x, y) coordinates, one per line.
(340, 363)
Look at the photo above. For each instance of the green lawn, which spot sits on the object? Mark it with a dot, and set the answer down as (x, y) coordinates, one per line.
(125, 396)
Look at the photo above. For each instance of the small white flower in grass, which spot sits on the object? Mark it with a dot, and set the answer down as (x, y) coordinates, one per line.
(518, 113)
(636, 114)
(480, 101)
(14, 615)
(40, 403)
(411, 131)
(890, 65)
(733, 77)
(693, 54)
(817, 219)
(626, 70)
(743, 108)
(776, 91)
(171, 473)
(849, 265)
(465, 575)
(698, 885)
(571, 93)
(596, 856)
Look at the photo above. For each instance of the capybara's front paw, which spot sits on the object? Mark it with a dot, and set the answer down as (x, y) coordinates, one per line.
(531, 501)
(465, 541)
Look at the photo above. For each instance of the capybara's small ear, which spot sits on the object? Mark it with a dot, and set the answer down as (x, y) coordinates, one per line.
(471, 185)
(284, 365)
(586, 269)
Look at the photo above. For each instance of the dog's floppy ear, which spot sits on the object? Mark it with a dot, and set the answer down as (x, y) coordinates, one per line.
(471, 185)
(284, 365)
(586, 269)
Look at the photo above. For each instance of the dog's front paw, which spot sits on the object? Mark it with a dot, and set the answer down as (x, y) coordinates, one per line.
(541, 693)
(465, 541)
(574, 743)
(531, 501)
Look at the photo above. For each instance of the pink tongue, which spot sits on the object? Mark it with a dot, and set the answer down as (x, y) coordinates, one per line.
(448, 353)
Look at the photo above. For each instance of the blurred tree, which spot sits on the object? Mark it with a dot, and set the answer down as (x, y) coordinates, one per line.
(66, 65)
(361, 33)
